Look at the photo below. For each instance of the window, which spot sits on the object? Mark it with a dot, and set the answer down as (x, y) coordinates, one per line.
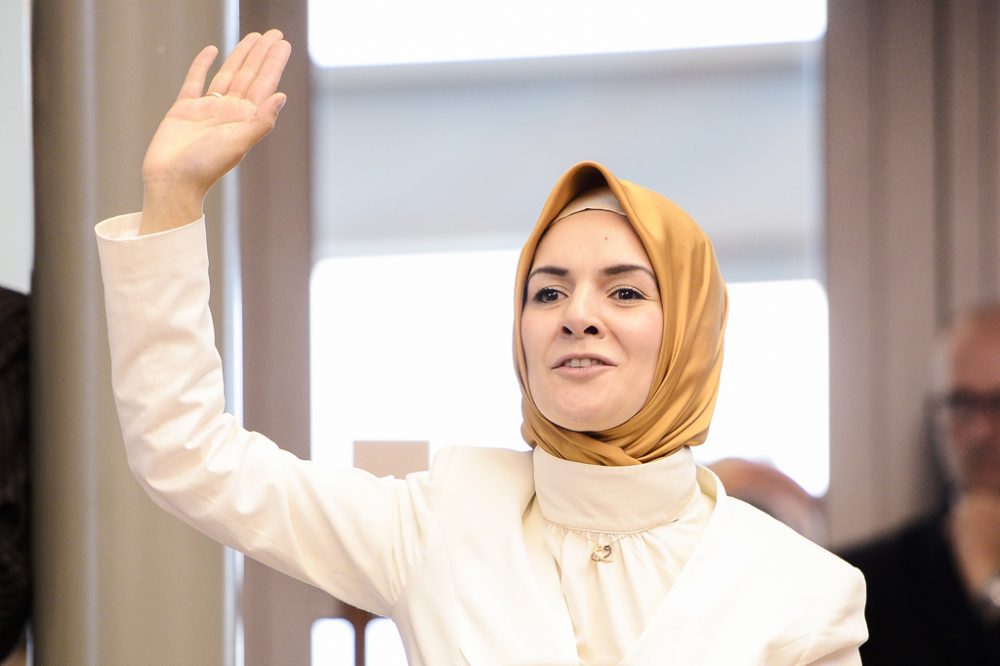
(432, 361)
(378, 33)
(333, 642)
(16, 181)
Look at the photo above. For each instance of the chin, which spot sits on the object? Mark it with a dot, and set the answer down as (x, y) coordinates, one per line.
(583, 420)
(583, 427)
(989, 485)
(586, 410)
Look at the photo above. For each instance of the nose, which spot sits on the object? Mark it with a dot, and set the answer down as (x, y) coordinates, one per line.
(975, 424)
(984, 423)
(581, 316)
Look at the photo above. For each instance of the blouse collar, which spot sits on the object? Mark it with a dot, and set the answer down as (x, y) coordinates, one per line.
(600, 498)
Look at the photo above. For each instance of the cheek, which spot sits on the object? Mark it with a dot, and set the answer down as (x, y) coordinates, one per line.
(531, 339)
(646, 336)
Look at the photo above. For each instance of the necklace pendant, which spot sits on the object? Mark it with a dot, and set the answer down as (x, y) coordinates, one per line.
(602, 553)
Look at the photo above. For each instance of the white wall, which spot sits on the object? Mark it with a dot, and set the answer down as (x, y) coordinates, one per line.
(17, 228)
(462, 155)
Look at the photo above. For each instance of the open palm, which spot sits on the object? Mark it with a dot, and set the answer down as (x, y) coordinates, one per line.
(204, 135)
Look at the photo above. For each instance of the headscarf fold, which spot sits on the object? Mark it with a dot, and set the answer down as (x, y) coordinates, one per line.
(685, 383)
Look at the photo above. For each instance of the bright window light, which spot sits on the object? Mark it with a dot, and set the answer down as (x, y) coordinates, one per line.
(383, 646)
(343, 34)
(332, 642)
(417, 347)
(413, 348)
(774, 397)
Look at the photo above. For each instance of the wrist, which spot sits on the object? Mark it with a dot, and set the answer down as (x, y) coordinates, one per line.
(165, 208)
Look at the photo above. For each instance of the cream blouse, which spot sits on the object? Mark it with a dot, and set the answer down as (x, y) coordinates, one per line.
(621, 533)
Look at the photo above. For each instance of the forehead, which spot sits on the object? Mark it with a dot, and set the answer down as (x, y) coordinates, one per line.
(975, 358)
(598, 235)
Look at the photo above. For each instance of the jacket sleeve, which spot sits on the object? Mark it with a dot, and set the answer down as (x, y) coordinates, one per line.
(845, 629)
(840, 627)
(343, 530)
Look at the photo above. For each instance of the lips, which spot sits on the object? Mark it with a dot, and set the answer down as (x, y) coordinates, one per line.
(582, 361)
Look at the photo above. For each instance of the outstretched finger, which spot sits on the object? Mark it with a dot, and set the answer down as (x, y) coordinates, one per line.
(253, 62)
(269, 75)
(247, 134)
(234, 61)
(194, 81)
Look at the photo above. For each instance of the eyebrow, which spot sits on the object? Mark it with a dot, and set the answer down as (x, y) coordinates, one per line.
(549, 270)
(617, 269)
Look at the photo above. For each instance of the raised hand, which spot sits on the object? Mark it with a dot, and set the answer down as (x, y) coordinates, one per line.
(205, 134)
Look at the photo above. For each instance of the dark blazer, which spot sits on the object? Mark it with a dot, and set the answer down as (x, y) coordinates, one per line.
(15, 588)
(918, 612)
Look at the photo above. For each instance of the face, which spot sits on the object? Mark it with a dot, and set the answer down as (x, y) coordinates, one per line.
(592, 322)
(969, 420)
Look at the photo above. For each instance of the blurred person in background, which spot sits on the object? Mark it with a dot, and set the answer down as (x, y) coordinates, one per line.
(775, 493)
(15, 579)
(934, 585)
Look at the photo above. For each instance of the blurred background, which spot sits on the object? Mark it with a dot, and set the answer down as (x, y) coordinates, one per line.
(842, 155)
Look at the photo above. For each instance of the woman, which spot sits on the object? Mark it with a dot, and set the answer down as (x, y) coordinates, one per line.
(604, 545)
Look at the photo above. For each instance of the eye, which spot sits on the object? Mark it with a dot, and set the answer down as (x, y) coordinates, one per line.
(628, 294)
(546, 295)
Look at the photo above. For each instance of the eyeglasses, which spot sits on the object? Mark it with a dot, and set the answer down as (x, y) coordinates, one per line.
(963, 407)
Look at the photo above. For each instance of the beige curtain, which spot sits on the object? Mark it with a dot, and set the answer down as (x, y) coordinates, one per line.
(276, 253)
(118, 581)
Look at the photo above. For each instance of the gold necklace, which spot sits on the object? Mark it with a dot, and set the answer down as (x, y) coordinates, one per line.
(603, 552)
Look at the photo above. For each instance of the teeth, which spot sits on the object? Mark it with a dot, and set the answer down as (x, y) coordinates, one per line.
(583, 362)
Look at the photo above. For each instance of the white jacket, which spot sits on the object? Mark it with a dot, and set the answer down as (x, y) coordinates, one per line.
(456, 556)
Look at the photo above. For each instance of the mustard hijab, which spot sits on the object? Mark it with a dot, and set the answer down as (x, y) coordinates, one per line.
(685, 384)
